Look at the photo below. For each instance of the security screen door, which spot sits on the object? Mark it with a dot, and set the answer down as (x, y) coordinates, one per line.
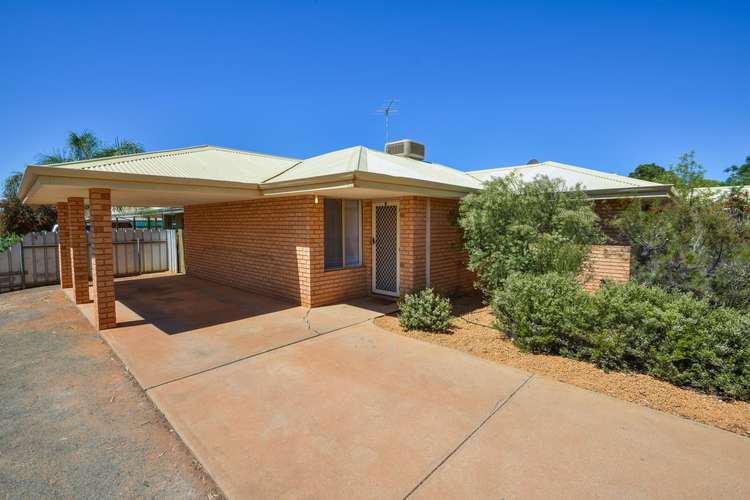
(385, 248)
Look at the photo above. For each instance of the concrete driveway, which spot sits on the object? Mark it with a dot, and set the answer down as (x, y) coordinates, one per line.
(279, 402)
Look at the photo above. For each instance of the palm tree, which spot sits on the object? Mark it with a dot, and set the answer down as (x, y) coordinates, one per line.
(86, 145)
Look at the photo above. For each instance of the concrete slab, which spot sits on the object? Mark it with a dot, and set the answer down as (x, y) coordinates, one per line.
(329, 318)
(553, 440)
(172, 326)
(355, 413)
(278, 401)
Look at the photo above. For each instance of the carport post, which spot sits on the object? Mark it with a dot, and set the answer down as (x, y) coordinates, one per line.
(78, 250)
(63, 245)
(100, 205)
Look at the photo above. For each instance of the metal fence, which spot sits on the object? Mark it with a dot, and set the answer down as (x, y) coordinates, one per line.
(33, 261)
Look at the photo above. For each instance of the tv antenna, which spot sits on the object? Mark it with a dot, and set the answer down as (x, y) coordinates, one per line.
(387, 110)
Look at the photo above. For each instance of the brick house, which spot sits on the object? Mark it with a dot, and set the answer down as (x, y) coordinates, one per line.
(316, 231)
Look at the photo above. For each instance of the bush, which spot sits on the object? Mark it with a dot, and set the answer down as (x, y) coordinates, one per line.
(696, 245)
(547, 313)
(8, 240)
(425, 310)
(630, 327)
(511, 226)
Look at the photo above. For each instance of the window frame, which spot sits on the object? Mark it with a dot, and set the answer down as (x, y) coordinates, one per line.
(344, 265)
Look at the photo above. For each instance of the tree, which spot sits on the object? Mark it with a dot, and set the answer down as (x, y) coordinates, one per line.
(648, 172)
(16, 218)
(535, 227)
(86, 146)
(20, 219)
(697, 245)
(739, 174)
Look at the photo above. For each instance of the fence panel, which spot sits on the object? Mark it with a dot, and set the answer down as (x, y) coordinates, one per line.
(11, 268)
(40, 258)
(34, 260)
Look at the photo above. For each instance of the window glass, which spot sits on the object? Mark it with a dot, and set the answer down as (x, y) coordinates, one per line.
(332, 238)
(342, 244)
(352, 237)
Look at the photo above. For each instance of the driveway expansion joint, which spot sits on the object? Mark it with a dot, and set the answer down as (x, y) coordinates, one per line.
(314, 335)
(498, 406)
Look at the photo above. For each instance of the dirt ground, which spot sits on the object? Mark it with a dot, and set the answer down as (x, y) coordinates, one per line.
(72, 422)
(472, 332)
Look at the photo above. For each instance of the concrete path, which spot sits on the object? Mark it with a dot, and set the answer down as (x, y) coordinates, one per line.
(277, 402)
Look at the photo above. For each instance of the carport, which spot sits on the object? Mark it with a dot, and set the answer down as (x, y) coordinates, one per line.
(73, 186)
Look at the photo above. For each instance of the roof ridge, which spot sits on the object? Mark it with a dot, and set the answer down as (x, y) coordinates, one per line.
(362, 159)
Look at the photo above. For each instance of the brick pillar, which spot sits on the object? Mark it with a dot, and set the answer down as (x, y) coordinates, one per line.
(63, 245)
(78, 250)
(102, 267)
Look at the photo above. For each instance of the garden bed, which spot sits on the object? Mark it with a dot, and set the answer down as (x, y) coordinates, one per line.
(472, 332)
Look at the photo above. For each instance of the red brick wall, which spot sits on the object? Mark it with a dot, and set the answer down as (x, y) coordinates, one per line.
(606, 263)
(329, 287)
(275, 247)
(256, 245)
(412, 240)
(448, 260)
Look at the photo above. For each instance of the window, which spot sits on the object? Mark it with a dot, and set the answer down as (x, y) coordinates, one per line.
(342, 241)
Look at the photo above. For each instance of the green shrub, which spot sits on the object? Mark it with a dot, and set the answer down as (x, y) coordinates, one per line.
(425, 310)
(8, 240)
(547, 313)
(511, 226)
(630, 327)
(696, 245)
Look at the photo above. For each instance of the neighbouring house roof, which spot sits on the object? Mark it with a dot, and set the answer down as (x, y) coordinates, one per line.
(598, 184)
(719, 191)
(211, 174)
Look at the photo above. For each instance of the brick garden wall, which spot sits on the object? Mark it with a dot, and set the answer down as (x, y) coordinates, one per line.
(606, 263)
(608, 210)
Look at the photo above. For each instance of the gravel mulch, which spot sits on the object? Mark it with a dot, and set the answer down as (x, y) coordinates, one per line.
(472, 332)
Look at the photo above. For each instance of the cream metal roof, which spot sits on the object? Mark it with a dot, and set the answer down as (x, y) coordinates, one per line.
(210, 174)
(360, 159)
(200, 162)
(596, 183)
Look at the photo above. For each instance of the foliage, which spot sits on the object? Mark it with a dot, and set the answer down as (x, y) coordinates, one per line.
(18, 218)
(739, 174)
(425, 310)
(685, 175)
(86, 146)
(630, 327)
(534, 227)
(545, 313)
(8, 240)
(654, 173)
(692, 245)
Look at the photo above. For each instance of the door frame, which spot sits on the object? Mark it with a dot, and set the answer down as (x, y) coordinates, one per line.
(376, 204)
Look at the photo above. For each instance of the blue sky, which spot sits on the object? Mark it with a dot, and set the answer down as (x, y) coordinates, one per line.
(601, 84)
